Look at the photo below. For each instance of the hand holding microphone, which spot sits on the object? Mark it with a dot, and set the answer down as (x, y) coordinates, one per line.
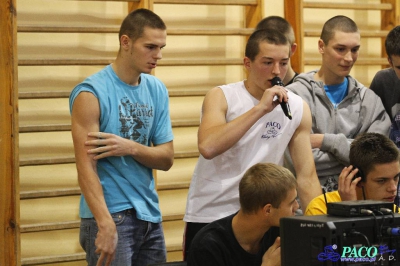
(284, 105)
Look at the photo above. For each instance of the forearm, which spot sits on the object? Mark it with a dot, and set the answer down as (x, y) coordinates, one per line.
(159, 157)
(338, 145)
(308, 188)
(92, 191)
(215, 140)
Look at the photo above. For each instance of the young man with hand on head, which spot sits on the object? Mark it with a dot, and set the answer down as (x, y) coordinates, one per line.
(121, 130)
(341, 107)
(243, 124)
(373, 173)
(267, 192)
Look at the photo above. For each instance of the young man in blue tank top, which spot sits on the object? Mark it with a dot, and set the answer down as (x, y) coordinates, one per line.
(341, 107)
(121, 130)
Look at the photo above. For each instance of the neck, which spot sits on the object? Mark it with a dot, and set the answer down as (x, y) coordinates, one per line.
(332, 79)
(253, 89)
(125, 73)
(289, 76)
(248, 231)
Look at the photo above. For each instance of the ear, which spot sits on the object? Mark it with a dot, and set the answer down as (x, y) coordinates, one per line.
(360, 184)
(267, 209)
(321, 46)
(125, 42)
(293, 48)
(246, 62)
(390, 61)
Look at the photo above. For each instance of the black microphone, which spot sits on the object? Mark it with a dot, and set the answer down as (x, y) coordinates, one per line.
(284, 105)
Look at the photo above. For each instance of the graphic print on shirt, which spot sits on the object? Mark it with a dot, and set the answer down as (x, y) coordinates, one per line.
(134, 120)
(272, 130)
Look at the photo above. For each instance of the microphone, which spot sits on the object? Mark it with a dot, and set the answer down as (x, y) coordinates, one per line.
(284, 105)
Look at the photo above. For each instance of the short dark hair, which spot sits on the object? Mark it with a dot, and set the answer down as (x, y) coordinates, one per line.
(134, 23)
(370, 149)
(271, 36)
(265, 183)
(278, 23)
(337, 23)
(392, 42)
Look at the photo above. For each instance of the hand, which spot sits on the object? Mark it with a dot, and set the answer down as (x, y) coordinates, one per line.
(347, 186)
(106, 243)
(268, 101)
(272, 257)
(108, 145)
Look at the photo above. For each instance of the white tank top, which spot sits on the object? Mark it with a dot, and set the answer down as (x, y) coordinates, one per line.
(214, 189)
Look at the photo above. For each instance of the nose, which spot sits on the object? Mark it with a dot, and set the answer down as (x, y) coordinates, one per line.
(296, 205)
(276, 70)
(393, 185)
(348, 56)
(158, 54)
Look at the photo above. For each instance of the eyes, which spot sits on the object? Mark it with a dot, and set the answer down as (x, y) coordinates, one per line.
(343, 49)
(154, 47)
(382, 181)
(270, 63)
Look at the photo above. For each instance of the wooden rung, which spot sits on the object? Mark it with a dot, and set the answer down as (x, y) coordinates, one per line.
(71, 159)
(185, 122)
(208, 2)
(50, 193)
(364, 33)
(44, 128)
(107, 61)
(202, 31)
(41, 227)
(65, 62)
(44, 94)
(111, 0)
(179, 176)
(66, 127)
(194, 91)
(68, 29)
(46, 160)
(360, 61)
(173, 231)
(358, 6)
(49, 226)
(190, 91)
(53, 259)
(173, 202)
(115, 29)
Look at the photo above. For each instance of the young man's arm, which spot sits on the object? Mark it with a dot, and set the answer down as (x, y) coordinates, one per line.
(85, 119)
(303, 160)
(216, 135)
(160, 157)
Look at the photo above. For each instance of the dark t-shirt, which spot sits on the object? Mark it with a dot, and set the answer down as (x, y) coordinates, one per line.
(387, 86)
(215, 244)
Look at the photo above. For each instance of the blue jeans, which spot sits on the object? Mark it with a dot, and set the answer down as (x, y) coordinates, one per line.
(139, 242)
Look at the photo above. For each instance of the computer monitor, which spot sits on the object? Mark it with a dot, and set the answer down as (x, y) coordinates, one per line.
(332, 241)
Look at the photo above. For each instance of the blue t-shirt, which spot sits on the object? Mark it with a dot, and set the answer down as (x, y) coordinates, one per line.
(141, 114)
(336, 93)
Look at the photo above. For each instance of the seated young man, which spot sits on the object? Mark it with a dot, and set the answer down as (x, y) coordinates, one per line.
(267, 192)
(374, 159)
